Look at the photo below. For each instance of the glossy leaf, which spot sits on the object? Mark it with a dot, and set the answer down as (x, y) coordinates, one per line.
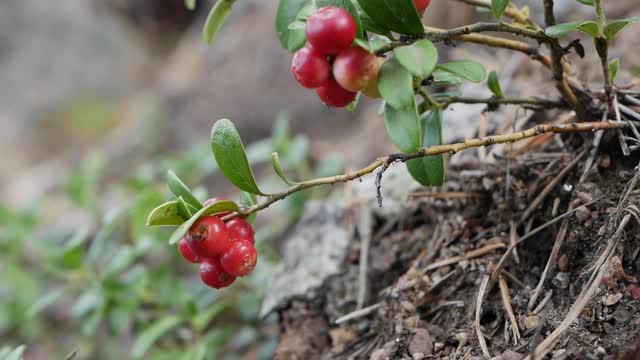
(400, 16)
(466, 69)
(446, 78)
(368, 24)
(165, 214)
(419, 58)
(150, 335)
(586, 2)
(588, 27)
(498, 7)
(210, 209)
(218, 14)
(614, 65)
(403, 127)
(375, 43)
(429, 170)
(288, 10)
(615, 26)
(183, 209)
(350, 7)
(231, 157)
(277, 167)
(395, 84)
(179, 189)
(494, 84)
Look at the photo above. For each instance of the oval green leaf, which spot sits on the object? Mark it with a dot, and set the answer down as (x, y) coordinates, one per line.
(429, 170)
(466, 69)
(588, 27)
(288, 10)
(498, 7)
(494, 84)
(446, 78)
(231, 157)
(615, 26)
(419, 58)
(149, 336)
(216, 18)
(400, 16)
(587, 2)
(210, 209)
(403, 127)
(178, 188)
(614, 65)
(164, 215)
(395, 84)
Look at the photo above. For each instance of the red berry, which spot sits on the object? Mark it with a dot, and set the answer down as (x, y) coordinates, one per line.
(213, 275)
(208, 237)
(354, 68)
(330, 30)
(186, 252)
(421, 5)
(240, 229)
(310, 67)
(240, 258)
(334, 95)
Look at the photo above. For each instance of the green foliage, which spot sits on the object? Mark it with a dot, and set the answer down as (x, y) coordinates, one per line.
(400, 16)
(395, 84)
(210, 209)
(613, 27)
(587, 2)
(614, 65)
(8, 353)
(403, 127)
(419, 58)
(231, 157)
(290, 39)
(190, 4)
(587, 27)
(466, 69)
(429, 171)
(498, 7)
(494, 84)
(218, 14)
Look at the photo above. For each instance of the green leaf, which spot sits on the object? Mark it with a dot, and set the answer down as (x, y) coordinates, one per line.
(419, 58)
(429, 170)
(350, 7)
(494, 84)
(354, 104)
(614, 65)
(615, 26)
(15, 354)
(149, 336)
(203, 318)
(44, 302)
(395, 84)
(446, 78)
(588, 27)
(498, 7)
(165, 214)
(288, 10)
(210, 209)
(190, 4)
(466, 69)
(586, 2)
(275, 162)
(307, 10)
(403, 127)
(375, 43)
(216, 18)
(183, 209)
(179, 189)
(400, 16)
(231, 158)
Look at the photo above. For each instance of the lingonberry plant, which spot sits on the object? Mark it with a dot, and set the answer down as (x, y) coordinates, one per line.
(381, 48)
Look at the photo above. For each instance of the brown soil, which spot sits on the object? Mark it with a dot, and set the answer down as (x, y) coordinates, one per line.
(426, 311)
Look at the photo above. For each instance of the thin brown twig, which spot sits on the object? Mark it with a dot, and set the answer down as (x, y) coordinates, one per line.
(479, 299)
(428, 151)
(506, 302)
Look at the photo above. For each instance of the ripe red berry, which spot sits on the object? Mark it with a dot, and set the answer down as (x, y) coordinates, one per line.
(330, 30)
(421, 5)
(332, 94)
(208, 237)
(213, 275)
(186, 252)
(240, 229)
(354, 68)
(310, 67)
(240, 258)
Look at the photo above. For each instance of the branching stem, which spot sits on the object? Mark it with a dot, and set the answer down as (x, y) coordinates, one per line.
(432, 150)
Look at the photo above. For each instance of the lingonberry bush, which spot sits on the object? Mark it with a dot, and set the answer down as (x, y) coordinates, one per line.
(380, 48)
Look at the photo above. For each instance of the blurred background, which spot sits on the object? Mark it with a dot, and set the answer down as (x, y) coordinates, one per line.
(98, 99)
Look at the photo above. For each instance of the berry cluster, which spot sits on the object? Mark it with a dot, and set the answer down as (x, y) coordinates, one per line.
(224, 250)
(330, 63)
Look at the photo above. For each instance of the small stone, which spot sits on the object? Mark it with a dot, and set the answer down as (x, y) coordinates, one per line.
(615, 272)
(582, 213)
(531, 322)
(417, 356)
(512, 355)
(611, 299)
(621, 315)
(561, 280)
(600, 350)
(408, 306)
(437, 347)
(634, 291)
(462, 338)
(421, 342)
(378, 354)
(584, 197)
